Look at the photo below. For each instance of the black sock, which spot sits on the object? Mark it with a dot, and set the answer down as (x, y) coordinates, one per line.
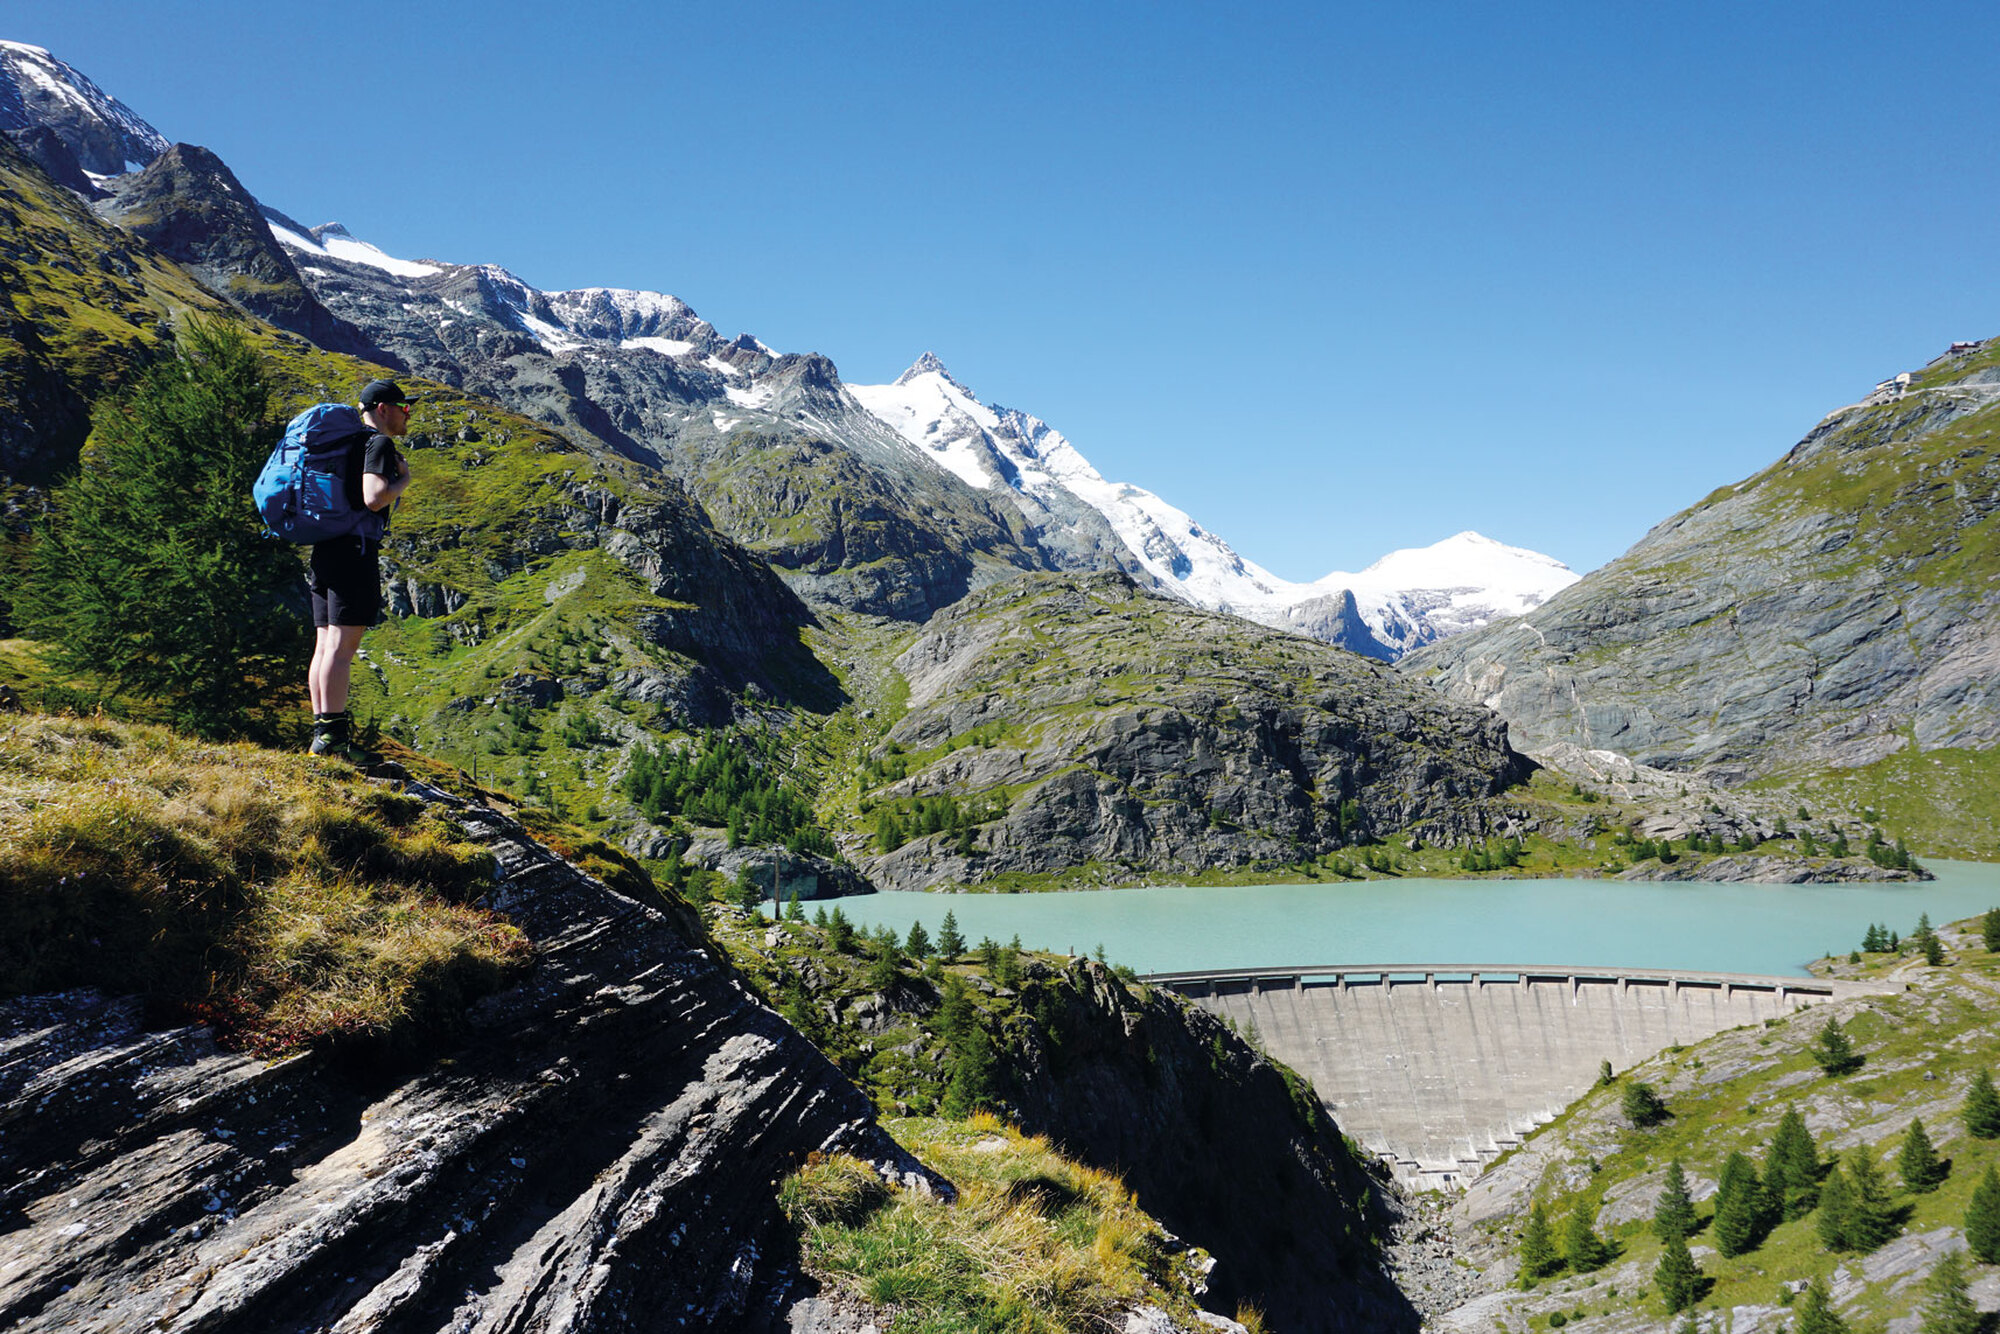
(331, 724)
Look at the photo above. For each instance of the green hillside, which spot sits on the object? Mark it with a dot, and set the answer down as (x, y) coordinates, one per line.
(1920, 1051)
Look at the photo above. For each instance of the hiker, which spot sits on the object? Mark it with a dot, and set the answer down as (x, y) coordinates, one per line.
(346, 579)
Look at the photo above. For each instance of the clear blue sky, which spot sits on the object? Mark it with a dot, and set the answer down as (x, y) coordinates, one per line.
(1333, 278)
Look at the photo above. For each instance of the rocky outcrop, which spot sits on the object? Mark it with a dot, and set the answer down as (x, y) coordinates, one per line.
(190, 206)
(1778, 869)
(1135, 731)
(1216, 1143)
(597, 1152)
(1830, 611)
(87, 307)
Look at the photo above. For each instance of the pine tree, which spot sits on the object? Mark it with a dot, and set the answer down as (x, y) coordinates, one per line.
(972, 1083)
(1673, 1216)
(1642, 1105)
(1739, 1207)
(840, 931)
(883, 972)
(1835, 1219)
(1948, 1307)
(1982, 1218)
(1926, 941)
(1583, 1249)
(1989, 930)
(950, 943)
(1917, 1161)
(1539, 1257)
(795, 911)
(918, 945)
(1816, 1314)
(1677, 1278)
(1791, 1171)
(1872, 1219)
(151, 570)
(1834, 1050)
(1982, 1108)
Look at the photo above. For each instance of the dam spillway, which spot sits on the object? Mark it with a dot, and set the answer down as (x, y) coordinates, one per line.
(1440, 1068)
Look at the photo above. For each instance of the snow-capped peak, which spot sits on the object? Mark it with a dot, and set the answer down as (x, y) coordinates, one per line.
(1406, 598)
(105, 134)
(928, 364)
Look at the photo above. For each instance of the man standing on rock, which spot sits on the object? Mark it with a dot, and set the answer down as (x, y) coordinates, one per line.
(346, 579)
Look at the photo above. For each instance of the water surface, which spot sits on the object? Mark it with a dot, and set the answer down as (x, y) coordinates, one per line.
(1603, 923)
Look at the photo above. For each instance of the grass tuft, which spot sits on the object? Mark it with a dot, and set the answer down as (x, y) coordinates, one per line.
(1036, 1243)
(280, 898)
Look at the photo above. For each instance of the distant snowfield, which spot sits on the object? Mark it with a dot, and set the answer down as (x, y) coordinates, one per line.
(339, 245)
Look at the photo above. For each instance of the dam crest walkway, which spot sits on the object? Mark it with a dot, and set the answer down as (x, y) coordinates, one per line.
(1442, 1067)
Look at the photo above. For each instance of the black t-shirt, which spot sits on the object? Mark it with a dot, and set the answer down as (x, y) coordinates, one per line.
(375, 453)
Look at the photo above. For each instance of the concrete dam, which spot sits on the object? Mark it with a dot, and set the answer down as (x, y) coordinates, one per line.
(1441, 1068)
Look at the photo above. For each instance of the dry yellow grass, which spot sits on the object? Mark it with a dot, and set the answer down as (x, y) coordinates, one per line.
(278, 896)
(1035, 1243)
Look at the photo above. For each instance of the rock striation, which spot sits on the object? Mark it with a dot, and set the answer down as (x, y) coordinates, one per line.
(596, 1152)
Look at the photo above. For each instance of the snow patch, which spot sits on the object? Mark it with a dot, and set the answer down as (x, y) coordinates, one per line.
(666, 347)
(338, 244)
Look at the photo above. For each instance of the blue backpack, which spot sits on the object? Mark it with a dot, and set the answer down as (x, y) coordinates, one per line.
(302, 493)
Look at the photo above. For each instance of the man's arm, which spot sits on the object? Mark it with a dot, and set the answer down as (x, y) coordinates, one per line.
(379, 492)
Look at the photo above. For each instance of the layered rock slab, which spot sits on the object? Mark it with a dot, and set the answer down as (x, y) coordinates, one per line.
(598, 1152)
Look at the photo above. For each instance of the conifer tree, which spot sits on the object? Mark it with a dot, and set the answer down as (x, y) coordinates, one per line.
(151, 570)
(1982, 1108)
(1989, 930)
(950, 943)
(1642, 1105)
(1917, 1161)
(972, 1083)
(840, 931)
(1677, 1277)
(1982, 1218)
(1791, 1171)
(1835, 1220)
(918, 944)
(1673, 1216)
(882, 968)
(1834, 1050)
(1583, 1249)
(1948, 1307)
(1539, 1257)
(1739, 1207)
(1871, 1220)
(1816, 1314)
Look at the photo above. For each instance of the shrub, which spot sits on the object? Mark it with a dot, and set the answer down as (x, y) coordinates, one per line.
(151, 570)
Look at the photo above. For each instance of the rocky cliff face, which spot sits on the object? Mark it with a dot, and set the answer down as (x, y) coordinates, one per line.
(1836, 608)
(191, 207)
(1126, 729)
(87, 304)
(598, 1153)
(102, 134)
(1218, 1144)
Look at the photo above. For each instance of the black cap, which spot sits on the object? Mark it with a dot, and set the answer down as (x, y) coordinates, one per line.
(377, 392)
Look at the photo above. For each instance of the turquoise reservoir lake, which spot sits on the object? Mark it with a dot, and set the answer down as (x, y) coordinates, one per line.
(1600, 923)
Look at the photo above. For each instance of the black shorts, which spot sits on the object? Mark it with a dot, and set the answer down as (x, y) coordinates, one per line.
(346, 582)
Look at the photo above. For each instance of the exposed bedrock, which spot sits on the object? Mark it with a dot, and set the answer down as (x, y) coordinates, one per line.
(596, 1153)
